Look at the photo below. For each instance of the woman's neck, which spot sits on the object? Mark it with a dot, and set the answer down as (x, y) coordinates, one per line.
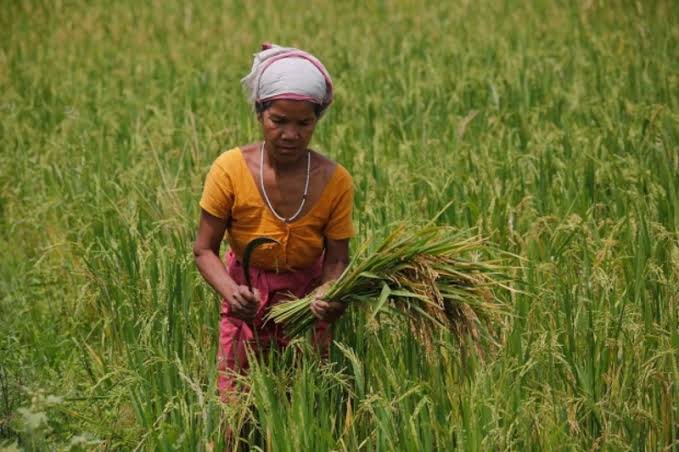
(284, 166)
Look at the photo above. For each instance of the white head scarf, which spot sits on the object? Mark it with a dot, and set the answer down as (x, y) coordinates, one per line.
(288, 73)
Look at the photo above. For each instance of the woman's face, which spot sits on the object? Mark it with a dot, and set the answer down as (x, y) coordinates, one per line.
(288, 126)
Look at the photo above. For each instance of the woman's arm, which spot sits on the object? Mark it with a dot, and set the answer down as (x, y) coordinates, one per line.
(336, 259)
(335, 262)
(242, 302)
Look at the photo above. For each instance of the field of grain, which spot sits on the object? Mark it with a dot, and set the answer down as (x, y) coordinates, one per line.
(551, 126)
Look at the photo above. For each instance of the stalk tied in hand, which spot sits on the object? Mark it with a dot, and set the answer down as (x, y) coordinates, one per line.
(433, 275)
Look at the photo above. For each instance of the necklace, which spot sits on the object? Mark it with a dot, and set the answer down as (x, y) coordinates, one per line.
(266, 197)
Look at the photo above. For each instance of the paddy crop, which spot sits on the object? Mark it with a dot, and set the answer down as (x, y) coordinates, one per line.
(549, 127)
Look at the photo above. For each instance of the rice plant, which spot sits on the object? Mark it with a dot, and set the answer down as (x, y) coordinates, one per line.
(432, 274)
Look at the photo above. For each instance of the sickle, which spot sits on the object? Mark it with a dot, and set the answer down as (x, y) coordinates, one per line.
(249, 249)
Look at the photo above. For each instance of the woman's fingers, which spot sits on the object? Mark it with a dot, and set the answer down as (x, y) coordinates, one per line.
(247, 294)
(244, 303)
(327, 310)
(235, 302)
(240, 302)
(318, 308)
(334, 310)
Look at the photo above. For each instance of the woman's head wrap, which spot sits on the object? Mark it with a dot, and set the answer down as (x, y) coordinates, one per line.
(288, 73)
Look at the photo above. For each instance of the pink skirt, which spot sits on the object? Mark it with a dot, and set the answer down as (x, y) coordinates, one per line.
(236, 336)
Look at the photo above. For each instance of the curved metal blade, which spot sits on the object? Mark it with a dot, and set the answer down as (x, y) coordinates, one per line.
(249, 249)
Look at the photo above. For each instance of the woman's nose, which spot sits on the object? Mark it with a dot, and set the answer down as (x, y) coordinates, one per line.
(291, 132)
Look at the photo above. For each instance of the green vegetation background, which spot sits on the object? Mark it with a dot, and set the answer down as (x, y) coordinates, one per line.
(552, 126)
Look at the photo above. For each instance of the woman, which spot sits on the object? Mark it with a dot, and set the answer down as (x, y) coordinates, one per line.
(281, 189)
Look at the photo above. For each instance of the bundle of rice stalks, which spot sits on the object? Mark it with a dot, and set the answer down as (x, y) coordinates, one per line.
(433, 275)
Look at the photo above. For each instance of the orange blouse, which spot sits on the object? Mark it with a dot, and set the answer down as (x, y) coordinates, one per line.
(231, 194)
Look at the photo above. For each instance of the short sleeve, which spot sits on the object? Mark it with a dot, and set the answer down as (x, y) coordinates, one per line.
(218, 195)
(340, 224)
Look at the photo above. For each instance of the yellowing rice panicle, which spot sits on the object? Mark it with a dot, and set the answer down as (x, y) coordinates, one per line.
(434, 275)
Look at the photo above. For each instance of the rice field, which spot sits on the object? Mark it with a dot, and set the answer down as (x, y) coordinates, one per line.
(551, 128)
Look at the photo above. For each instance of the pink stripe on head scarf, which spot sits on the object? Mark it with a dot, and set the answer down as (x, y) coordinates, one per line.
(288, 73)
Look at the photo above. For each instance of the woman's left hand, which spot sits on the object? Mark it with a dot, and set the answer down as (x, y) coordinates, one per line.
(325, 309)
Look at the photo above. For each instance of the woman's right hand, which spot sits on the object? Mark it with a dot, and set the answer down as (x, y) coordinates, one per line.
(243, 303)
